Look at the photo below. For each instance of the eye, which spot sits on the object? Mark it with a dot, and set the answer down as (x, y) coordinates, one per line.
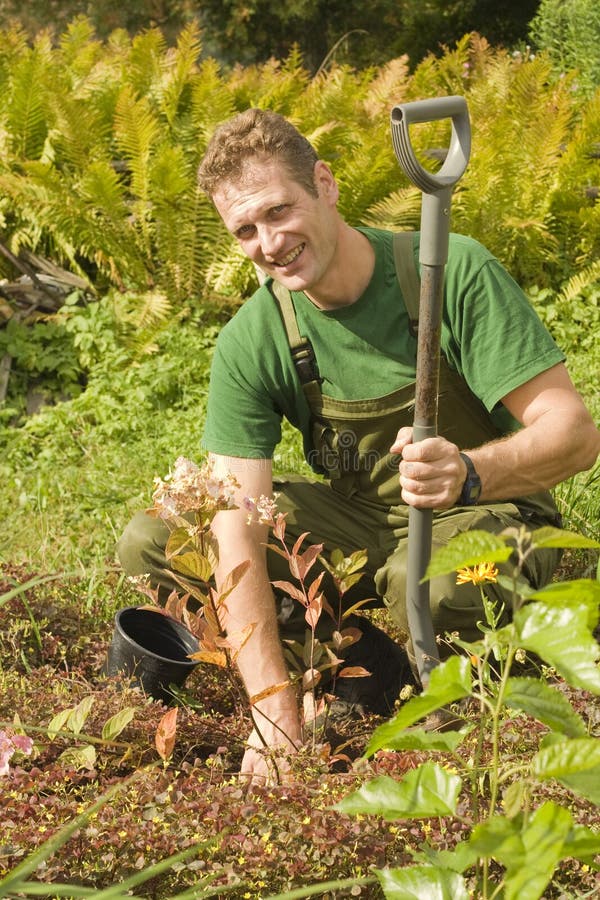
(244, 231)
(278, 210)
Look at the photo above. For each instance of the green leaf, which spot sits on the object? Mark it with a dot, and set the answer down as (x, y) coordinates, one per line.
(583, 843)
(419, 739)
(580, 592)
(79, 757)
(575, 763)
(449, 681)
(114, 726)
(468, 549)
(424, 792)
(499, 838)
(561, 637)
(556, 537)
(78, 716)
(193, 565)
(57, 723)
(538, 699)
(176, 541)
(417, 882)
(543, 842)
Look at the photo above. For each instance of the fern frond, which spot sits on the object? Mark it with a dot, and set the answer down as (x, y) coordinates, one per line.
(579, 282)
(179, 66)
(400, 210)
(212, 102)
(26, 105)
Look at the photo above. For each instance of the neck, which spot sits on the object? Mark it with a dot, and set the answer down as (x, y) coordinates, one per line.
(348, 275)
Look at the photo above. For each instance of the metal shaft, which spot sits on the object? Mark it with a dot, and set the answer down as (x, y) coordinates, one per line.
(420, 521)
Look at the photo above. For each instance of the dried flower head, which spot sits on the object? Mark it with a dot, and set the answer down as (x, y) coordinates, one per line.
(192, 488)
(480, 574)
(263, 510)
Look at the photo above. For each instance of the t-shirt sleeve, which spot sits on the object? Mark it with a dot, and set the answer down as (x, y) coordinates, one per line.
(497, 341)
(242, 419)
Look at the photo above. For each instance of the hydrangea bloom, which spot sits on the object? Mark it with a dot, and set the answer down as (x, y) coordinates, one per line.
(192, 488)
(10, 744)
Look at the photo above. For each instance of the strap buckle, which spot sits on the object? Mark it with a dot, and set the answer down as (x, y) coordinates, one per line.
(305, 362)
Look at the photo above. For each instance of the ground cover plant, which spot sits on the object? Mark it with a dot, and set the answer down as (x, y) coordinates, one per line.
(97, 175)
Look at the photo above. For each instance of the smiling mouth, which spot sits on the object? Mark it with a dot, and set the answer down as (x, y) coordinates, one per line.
(287, 260)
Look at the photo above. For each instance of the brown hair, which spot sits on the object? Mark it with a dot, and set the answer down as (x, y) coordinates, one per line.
(256, 133)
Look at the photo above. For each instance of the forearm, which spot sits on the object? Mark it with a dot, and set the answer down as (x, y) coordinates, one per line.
(250, 609)
(557, 445)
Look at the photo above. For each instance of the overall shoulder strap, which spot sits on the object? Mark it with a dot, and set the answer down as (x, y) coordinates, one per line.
(407, 275)
(303, 355)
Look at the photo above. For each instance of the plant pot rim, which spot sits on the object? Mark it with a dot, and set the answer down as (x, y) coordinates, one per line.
(179, 626)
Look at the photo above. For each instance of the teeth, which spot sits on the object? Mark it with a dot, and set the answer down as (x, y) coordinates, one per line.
(291, 256)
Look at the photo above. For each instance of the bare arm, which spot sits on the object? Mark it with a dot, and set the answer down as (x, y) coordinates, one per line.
(260, 661)
(557, 440)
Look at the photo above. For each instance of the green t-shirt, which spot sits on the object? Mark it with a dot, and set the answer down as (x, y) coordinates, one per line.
(490, 335)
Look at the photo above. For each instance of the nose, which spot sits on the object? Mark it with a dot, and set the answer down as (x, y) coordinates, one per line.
(270, 239)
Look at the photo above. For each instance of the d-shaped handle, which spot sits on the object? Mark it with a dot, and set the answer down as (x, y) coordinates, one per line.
(406, 114)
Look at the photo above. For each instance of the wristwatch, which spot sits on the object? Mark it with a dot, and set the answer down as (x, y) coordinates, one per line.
(471, 489)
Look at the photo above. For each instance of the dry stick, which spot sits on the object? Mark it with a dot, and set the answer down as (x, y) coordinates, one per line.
(27, 270)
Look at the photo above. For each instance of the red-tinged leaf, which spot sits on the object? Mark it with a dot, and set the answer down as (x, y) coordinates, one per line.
(214, 657)
(315, 585)
(310, 679)
(176, 604)
(353, 672)
(290, 589)
(298, 544)
(310, 556)
(235, 642)
(165, 734)
(351, 632)
(268, 692)
(232, 579)
(312, 615)
(278, 550)
(279, 527)
(311, 708)
(213, 625)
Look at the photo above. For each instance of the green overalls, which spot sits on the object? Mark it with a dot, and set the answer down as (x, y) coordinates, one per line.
(360, 507)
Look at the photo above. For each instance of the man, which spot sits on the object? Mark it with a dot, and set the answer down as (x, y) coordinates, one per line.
(333, 296)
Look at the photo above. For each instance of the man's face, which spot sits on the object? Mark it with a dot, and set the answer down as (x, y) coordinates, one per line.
(286, 231)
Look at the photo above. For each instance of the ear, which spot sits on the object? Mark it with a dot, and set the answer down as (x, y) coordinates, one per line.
(325, 183)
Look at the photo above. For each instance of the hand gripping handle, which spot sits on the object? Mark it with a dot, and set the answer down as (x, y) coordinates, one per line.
(406, 114)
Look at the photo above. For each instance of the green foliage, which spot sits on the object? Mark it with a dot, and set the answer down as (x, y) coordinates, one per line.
(527, 838)
(570, 31)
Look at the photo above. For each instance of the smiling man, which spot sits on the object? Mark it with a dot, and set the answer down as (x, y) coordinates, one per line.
(328, 342)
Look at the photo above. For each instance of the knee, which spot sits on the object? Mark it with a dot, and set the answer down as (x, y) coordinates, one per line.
(141, 542)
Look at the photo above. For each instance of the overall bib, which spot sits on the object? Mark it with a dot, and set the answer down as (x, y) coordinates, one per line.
(361, 506)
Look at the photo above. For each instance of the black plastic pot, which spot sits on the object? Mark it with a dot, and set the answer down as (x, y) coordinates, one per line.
(153, 648)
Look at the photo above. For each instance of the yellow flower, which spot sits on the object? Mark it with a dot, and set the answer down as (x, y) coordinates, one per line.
(480, 574)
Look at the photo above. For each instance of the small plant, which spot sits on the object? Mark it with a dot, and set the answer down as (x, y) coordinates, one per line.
(513, 842)
(315, 657)
(70, 722)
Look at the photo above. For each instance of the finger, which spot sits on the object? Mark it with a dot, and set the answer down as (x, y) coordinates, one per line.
(403, 438)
